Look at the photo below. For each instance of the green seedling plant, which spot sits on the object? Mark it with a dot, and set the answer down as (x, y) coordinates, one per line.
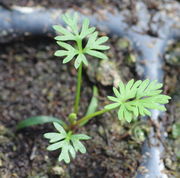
(131, 100)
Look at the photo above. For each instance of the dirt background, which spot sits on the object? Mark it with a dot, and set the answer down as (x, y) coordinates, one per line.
(34, 82)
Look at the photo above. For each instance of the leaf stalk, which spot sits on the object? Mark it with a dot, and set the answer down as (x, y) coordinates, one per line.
(86, 118)
(78, 89)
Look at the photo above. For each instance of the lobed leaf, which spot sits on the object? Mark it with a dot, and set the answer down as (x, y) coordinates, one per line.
(96, 54)
(81, 137)
(68, 58)
(85, 29)
(80, 59)
(64, 155)
(136, 98)
(55, 146)
(65, 38)
(59, 128)
(112, 106)
(54, 137)
(62, 30)
(73, 33)
(78, 146)
(68, 143)
(61, 53)
(71, 21)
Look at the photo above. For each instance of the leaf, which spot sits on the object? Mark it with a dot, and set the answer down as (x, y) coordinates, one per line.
(65, 38)
(69, 53)
(127, 115)
(91, 40)
(93, 103)
(129, 85)
(85, 29)
(84, 60)
(38, 120)
(122, 89)
(78, 61)
(135, 98)
(65, 45)
(96, 54)
(73, 33)
(61, 53)
(66, 34)
(102, 40)
(71, 21)
(78, 146)
(54, 137)
(68, 58)
(64, 155)
(112, 106)
(81, 137)
(121, 112)
(85, 26)
(67, 142)
(116, 92)
(148, 88)
(94, 43)
(59, 128)
(62, 30)
(72, 151)
(113, 98)
(55, 146)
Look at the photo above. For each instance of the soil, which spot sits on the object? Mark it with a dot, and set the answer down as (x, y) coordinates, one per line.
(66, 4)
(34, 82)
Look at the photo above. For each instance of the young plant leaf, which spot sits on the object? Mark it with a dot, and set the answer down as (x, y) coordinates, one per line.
(68, 143)
(135, 98)
(94, 102)
(73, 33)
(31, 121)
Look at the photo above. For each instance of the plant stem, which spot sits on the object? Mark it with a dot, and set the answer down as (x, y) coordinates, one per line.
(78, 89)
(79, 44)
(84, 119)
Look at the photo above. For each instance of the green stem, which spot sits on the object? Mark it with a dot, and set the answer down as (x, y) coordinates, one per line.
(85, 119)
(79, 44)
(78, 89)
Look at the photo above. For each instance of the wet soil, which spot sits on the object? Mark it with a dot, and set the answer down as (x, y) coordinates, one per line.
(71, 3)
(34, 82)
(172, 83)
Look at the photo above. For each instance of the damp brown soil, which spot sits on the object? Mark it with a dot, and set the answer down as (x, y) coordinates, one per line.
(34, 82)
(172, 121)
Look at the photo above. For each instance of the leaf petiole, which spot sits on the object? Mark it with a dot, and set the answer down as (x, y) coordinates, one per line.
(86, 118)
(78, 89)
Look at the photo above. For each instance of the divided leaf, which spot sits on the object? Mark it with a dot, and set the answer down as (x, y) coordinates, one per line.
(85, 31)
(66, 34)
(73, 33)
(68, 143)
(96, 43)
(136, 98)
(70, 52)
(72, 22)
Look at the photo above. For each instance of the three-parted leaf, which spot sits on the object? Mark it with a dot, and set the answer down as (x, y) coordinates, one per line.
(68, 143)
(73, 33)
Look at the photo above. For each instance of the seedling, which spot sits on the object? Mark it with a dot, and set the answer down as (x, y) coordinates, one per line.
(130, 100)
